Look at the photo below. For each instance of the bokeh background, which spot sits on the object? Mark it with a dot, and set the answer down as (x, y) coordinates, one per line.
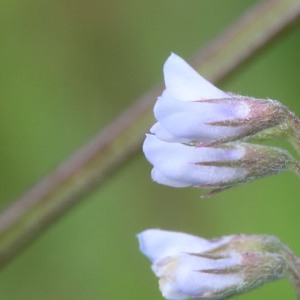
(68, 68)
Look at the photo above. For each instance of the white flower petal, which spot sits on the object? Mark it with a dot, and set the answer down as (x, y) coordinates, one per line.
(189, 121)
(183, 276)
(184, 83)
(162, 179)
(181, 162)
(157, 244)
(165, 135)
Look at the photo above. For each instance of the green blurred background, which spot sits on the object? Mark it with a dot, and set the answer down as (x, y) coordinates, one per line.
(68, 68)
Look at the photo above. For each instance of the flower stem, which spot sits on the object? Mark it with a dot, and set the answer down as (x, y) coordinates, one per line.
(294, 134)
(293, 269)
(33, 212)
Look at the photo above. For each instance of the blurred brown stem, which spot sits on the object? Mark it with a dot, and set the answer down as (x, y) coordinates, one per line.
(33, 212)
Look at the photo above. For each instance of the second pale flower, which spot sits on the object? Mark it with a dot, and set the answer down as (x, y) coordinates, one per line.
(217, 167)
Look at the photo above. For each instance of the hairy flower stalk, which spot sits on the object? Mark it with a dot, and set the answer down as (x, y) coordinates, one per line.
(193, 267)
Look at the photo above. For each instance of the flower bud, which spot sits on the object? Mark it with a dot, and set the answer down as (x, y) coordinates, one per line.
(192, 267)
(215, 167)
(191, 109)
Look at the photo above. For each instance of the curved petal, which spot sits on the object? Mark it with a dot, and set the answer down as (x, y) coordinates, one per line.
(162, 179)
(157, 244)
(184, 83)
(164, 135)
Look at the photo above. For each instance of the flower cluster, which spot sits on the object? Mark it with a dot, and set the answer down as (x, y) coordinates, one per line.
(199, 136)
(201, 139)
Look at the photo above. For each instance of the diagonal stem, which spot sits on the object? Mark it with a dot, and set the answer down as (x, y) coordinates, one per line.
(33, 212)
